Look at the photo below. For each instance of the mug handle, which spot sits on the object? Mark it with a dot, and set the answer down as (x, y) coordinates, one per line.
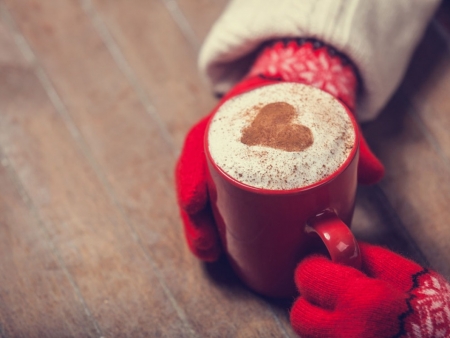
(337, 237)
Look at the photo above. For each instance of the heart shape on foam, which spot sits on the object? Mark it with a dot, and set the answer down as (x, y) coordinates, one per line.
(274, 127)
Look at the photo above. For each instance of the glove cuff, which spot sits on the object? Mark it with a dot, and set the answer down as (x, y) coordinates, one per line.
(428, 313)
(310, 62)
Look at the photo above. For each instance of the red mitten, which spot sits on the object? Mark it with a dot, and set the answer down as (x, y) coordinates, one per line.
(200, 231)
(302, 61)
(394, 297)
(313, 63)
(190, 174)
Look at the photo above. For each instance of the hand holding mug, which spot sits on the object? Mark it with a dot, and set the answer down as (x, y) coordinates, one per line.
(191, 171)
(282, 169)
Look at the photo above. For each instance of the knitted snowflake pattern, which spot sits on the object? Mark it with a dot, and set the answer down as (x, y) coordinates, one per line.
(428, 314)
(309, 62)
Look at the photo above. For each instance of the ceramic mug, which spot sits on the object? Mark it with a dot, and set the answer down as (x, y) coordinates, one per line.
(266, 233)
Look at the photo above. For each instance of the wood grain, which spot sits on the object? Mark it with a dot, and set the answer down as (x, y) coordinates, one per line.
(201, 14)
(136, 165)
(411, 137)
(417, 183)
(377, 222)
(426, 85)
(33, 279)
(32, 275)
(163, 60)
(113, 273)
(96, 97)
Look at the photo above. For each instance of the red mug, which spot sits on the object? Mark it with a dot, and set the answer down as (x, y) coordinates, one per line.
(266, 233)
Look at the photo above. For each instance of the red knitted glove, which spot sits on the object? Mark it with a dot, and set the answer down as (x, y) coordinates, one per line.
(313, 63)
(394, 297)
(297, 61)
(190, 174)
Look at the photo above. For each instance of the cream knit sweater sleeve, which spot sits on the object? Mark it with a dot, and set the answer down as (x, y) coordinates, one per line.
(379, 36)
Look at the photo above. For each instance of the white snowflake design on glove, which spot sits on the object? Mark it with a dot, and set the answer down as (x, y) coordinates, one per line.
(311, 63)
(430, 303)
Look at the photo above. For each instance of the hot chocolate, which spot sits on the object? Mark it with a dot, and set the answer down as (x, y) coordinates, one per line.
(280, 137)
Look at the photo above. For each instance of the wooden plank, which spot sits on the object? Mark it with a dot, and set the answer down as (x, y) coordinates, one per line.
(417, 182)
(37, 295)
(427, 85)
(214, 284)
(412, 139)
(114, 275)
(137, 164)
(408, 213)
(123, 21)
(376, 221)
(112, 272)
(162, 60)
(201, 14)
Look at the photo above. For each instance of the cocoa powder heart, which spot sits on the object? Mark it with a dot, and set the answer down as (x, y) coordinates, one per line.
(274, 127)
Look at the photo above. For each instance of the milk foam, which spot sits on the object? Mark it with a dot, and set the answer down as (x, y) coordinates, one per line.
(275, 169)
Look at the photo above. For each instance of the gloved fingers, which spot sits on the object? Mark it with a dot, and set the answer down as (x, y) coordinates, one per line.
(322, 282)
(388, 266)
(191, 182)
(309, 320)
(191, 169)
(370, 169)
(202, 235)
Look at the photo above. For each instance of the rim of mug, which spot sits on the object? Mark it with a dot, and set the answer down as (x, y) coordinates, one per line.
(306, 188)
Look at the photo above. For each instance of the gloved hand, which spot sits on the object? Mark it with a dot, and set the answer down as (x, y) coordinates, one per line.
(190, 174)
(302, 61)
(313, 63)
(391, 297)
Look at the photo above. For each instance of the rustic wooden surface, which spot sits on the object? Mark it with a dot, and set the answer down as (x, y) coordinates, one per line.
(95, 99)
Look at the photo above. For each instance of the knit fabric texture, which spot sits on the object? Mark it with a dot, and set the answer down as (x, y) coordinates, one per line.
(378, 36)
(311, 62)
(392, 297)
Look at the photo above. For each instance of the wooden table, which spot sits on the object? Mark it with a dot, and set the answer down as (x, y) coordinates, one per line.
(96, 97)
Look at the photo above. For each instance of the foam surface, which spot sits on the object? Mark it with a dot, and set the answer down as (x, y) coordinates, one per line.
(274, 169)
